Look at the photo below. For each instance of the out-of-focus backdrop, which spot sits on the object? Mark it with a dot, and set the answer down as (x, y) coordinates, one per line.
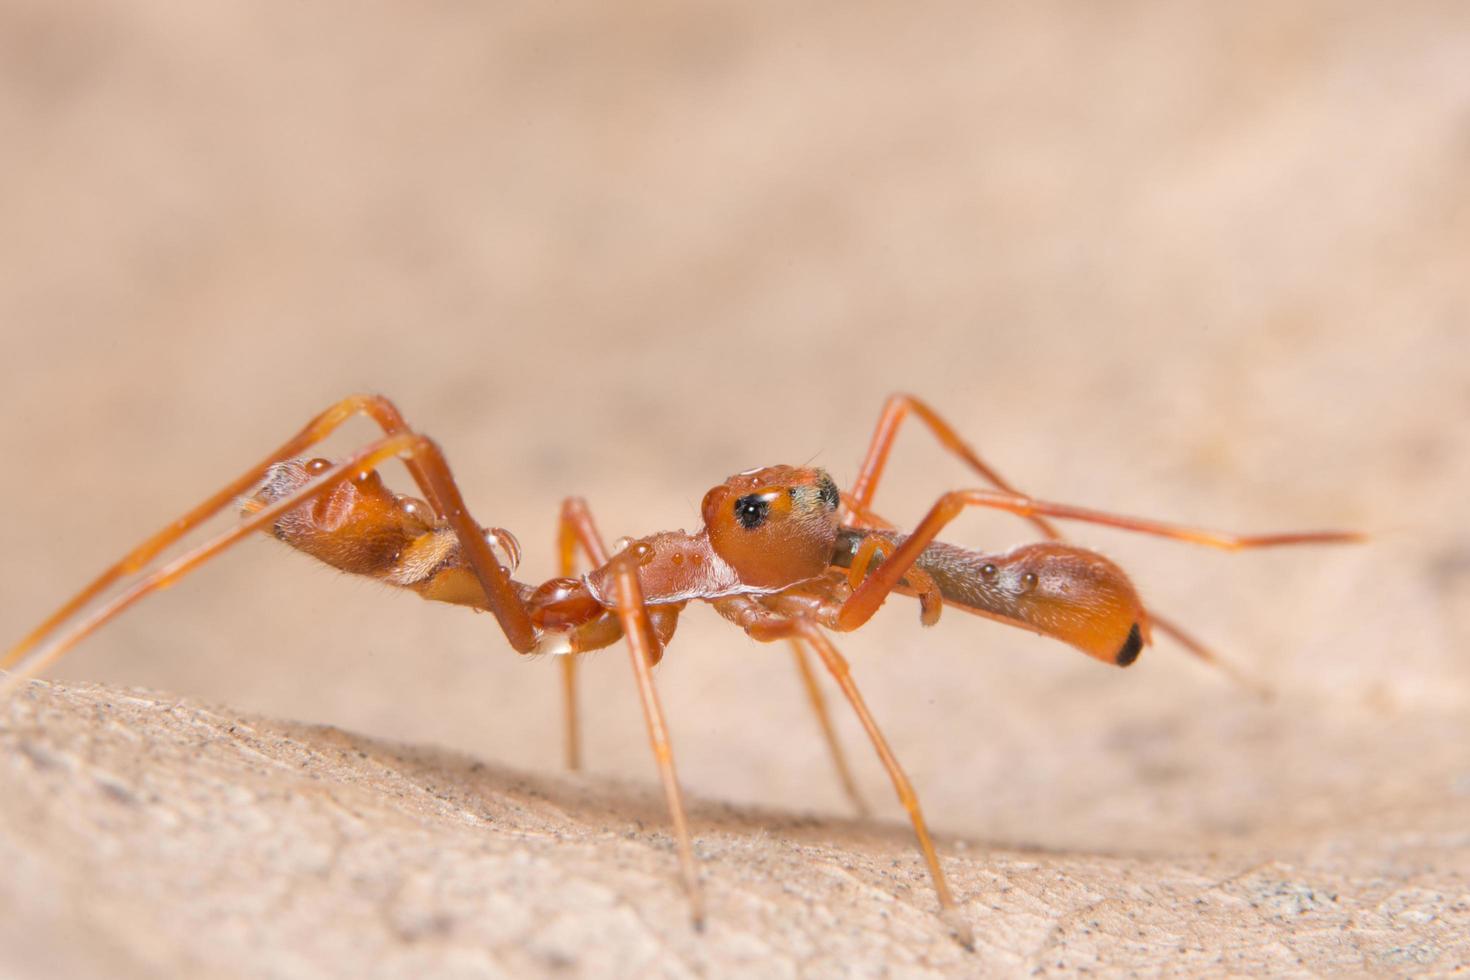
(1209, 263)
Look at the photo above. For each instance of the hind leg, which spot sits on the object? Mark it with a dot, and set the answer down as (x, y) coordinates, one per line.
(424, 460)
(376, 407)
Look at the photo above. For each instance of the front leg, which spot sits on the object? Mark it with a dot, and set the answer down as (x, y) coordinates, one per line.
(575, 528)
(885, 434)
(766, 626)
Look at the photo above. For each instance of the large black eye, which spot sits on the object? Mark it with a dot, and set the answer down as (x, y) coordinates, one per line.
(751, 510)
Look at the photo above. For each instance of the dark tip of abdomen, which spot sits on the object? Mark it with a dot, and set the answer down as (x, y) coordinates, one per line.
(1131, 647)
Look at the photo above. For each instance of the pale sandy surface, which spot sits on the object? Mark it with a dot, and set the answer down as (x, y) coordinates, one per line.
(200, 841)
(1203, 263)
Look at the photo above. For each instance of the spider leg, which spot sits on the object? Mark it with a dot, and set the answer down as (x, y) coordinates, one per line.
(643, 650)
(866, 599)
(573, 722)
(895, 410)
(365, 459)
(500, 595)
(764, 625)
(857, 512)
(1195, 647)
(575, 528)
(1203, 653)
(837, 665)
(918, 581)
(376, 407)
(819, 708)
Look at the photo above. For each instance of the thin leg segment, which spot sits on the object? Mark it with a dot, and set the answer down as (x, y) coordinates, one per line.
(427, 461)
(837, 666)
(500, 594)
(819, 708)
(931, 601)
(765, 626)
(575, 528)
(174, 571)
(865, 601)
(573, 722)
(376, 407)
(895, 410)
(641, 648)
(1202, 652)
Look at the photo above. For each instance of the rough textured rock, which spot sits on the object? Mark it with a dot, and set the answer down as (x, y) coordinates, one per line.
(144, 835)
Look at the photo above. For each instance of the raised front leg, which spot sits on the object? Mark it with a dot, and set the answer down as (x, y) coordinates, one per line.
(895, 410)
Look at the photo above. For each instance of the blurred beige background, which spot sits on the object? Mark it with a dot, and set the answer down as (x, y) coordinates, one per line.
(1206, 263)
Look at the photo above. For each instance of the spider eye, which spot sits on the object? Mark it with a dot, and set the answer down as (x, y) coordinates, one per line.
(751, 510)
(828, 491)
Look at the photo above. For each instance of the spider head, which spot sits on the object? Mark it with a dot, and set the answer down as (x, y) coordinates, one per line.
(775, 526)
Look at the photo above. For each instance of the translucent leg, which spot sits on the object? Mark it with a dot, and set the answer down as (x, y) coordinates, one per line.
(819, 708)
(641, 649)
(575, 528)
